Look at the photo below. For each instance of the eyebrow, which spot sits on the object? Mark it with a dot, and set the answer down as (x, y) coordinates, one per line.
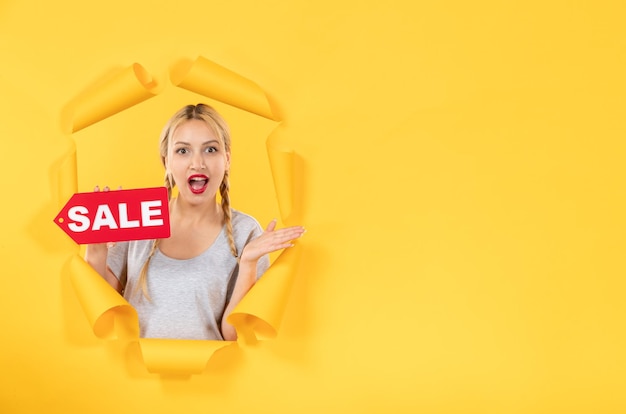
(204, 143)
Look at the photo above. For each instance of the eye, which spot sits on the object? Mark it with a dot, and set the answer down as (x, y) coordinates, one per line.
(210, 149)
(182, 151)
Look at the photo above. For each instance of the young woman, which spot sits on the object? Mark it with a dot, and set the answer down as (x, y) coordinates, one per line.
(185, 286)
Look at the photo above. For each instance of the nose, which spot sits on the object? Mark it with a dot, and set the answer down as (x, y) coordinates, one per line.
(197, 162)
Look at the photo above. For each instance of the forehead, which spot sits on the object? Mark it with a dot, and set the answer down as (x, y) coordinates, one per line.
(194, 131)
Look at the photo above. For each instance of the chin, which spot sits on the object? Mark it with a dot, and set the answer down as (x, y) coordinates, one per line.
(197, 198)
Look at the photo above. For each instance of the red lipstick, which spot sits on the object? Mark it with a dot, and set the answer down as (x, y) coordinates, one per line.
(198, 183)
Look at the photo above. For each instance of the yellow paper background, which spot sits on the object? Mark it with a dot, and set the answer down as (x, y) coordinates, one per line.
(461, 179)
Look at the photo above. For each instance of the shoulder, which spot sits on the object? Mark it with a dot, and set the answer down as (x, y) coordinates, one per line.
(245, 227)
(244, 221)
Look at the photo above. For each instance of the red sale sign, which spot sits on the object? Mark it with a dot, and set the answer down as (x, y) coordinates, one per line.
(112, 216)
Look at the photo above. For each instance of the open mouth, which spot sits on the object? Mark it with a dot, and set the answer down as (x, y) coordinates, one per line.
(198, 183)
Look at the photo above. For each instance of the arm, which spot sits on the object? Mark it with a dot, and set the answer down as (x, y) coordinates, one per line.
(269, 241)
(96, 256)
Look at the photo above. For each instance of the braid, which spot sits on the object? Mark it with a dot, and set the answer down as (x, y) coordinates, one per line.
(224, 187)
(143, 275)
(168, 183)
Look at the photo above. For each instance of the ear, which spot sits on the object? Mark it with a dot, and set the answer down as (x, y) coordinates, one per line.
(227, 161)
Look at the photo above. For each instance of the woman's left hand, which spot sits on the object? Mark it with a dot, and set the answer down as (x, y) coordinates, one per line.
(270, 241)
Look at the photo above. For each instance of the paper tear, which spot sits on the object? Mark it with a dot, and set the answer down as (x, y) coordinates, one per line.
(216, 82)
(126, 88)
(109, 314)
(67, 178)
(261, 311)
(281, 163)
(259, 314)
(179, 357)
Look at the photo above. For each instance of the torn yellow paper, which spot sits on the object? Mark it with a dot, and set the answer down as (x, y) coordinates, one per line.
(67, 179)
(109, 314)
(216, 82)
(259, 314)
(124, 89)
(178, 357)
(261, 311)
(281, 163)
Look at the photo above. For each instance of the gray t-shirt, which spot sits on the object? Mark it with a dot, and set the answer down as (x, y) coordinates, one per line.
(187, 297)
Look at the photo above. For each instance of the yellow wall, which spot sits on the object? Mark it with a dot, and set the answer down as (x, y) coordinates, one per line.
(461, 179)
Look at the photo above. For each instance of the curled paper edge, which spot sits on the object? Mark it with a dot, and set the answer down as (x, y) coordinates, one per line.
(67, 178)
(214, 81)
(108, 313)
(281, 163)
(260, 313)
(114, 94)
(177, 356)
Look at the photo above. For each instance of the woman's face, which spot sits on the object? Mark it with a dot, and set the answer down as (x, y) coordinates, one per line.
(197, 160)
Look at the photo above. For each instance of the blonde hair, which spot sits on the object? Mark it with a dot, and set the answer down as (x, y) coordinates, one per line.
(218, 125)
